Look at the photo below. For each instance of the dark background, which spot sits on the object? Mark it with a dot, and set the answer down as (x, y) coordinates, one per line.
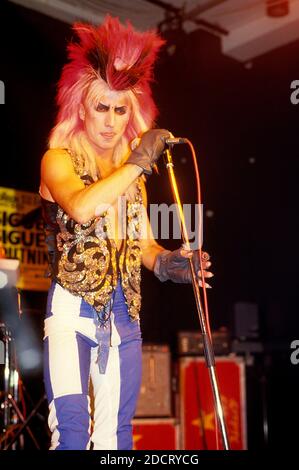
(244, 128)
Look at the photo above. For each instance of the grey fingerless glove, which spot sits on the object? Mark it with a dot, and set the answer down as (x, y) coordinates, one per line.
(150, 148)
(171, 265)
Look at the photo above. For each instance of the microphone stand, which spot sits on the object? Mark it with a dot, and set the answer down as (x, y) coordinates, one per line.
(208, 347)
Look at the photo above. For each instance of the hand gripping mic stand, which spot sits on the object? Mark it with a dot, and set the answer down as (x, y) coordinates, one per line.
(202, 315)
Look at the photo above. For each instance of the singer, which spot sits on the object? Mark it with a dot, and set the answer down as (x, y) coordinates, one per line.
(92, 325)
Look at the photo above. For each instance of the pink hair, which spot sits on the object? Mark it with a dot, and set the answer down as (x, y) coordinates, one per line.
(117, 54)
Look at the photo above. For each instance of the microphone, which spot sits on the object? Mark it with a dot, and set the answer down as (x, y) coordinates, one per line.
(169, 141)
(175, 140)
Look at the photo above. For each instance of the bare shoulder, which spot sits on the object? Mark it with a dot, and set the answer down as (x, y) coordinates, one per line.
(56, 163)
(58, 176)
(56, 155)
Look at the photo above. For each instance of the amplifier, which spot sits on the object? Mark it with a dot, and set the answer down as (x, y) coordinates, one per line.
(198, 422)
(190, 343)
(155, 434)
(155, 392)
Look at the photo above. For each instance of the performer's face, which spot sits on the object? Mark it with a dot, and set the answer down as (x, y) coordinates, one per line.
(106, 119)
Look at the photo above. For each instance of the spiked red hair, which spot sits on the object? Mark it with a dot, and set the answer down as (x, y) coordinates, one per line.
(120, 55)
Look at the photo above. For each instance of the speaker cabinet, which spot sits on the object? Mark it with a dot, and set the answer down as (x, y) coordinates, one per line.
(155, 434)
(198, 424)
(155, 392)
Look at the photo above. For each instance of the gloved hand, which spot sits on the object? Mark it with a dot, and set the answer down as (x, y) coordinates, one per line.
(174, 266)
(148, 151)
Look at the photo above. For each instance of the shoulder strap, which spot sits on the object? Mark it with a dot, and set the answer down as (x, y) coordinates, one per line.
(78, 163)
(80, 168)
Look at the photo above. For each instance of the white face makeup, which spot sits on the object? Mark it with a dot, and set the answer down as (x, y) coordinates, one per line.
(106, 119)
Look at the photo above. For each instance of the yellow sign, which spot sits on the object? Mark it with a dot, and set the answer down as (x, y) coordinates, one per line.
(24, 242)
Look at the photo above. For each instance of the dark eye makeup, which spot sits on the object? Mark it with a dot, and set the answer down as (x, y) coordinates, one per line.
(102, 107)
(119, 109)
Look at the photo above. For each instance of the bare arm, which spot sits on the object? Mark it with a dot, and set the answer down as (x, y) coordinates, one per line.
(69, 191)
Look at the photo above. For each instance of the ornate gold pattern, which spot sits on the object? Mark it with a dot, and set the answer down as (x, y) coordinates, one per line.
(89, 260)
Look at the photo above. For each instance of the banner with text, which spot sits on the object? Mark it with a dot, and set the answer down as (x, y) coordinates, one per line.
(24, 239)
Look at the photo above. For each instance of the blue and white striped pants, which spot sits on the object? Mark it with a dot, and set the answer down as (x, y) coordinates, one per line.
(70, 360)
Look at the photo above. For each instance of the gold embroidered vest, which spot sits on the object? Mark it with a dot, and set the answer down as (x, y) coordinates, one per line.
(85, 261)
